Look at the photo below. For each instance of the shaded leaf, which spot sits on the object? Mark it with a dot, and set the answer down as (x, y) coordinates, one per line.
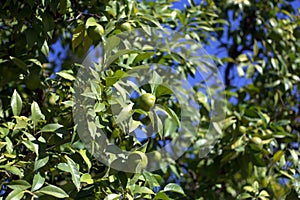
(54, 191)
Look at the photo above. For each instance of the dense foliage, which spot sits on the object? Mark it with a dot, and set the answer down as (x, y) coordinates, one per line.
(42, 155)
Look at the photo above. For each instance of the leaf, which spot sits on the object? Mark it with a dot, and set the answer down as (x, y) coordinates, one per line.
(151, 180)
(110, 44)
(240, 71)
(54, 191)
(86, 178)
(9, 145)
(173, 187)
(66, 75)
(242, 58)
(161, 196)
(40, 163)
(278, 155)
(38, 182)
(78, 36)
(63, 167)
(162, 90)
(173, 115)
(115, 77)
(85, 158)
(36, 114)
(15, 195)
(125, 113)
(13, 170)
(45, 48)
(19, 185)
(142, 57)
(51, 127)
(202, 98)
(19, 62)
(91, 22)
(169, 127)
(112, 197)
(255, 48)
(142, 190)
(74, 172)
(16, 103)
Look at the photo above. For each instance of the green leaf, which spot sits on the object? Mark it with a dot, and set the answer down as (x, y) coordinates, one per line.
(13, 170)
(91, 22)
(19, 62)
(36, 114)
(86, 178)
(173, 187)
(40, 163)
(173, 115)
(38, 182)
(45, 48)
(74, 172)
(19, 185)
(115, 77)
(15, 195)
(242, 58)
(202, 98)
(112, 197)
(151, 180)
(278, 155)
(255, 48)
(66, 75)
(78, 36)
(51, 127)
(16, 103)
(142, 190)
(63, 167)
(85, 158)
(54, 191)
(161, 196)
(9, 145)
(162, 90)
(142, 57)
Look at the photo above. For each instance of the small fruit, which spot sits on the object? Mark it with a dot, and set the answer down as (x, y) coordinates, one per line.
(259, 122)
(256, 140)
(156, 156)
(137, 161)
(126, 26)
(146, 101)
(242, 129)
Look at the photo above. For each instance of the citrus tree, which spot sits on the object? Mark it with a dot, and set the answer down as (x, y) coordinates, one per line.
(66, 119)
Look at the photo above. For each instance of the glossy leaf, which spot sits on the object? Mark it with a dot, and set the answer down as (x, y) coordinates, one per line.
(16, 103)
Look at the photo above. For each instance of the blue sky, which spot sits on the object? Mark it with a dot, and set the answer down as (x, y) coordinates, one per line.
(57, 56)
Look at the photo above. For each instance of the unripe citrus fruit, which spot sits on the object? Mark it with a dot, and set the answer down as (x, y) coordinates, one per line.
(146, 101)
(137, 161)
(126, 26)
(242, 129)
(256, 140)
(156, 156)
(259, 122)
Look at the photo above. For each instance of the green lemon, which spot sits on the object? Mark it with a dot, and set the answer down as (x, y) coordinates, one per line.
(156, 156)
(256, 140)
(259, 122)
(146, 101)
(242, 129)
(126, 26)
(137, 161)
